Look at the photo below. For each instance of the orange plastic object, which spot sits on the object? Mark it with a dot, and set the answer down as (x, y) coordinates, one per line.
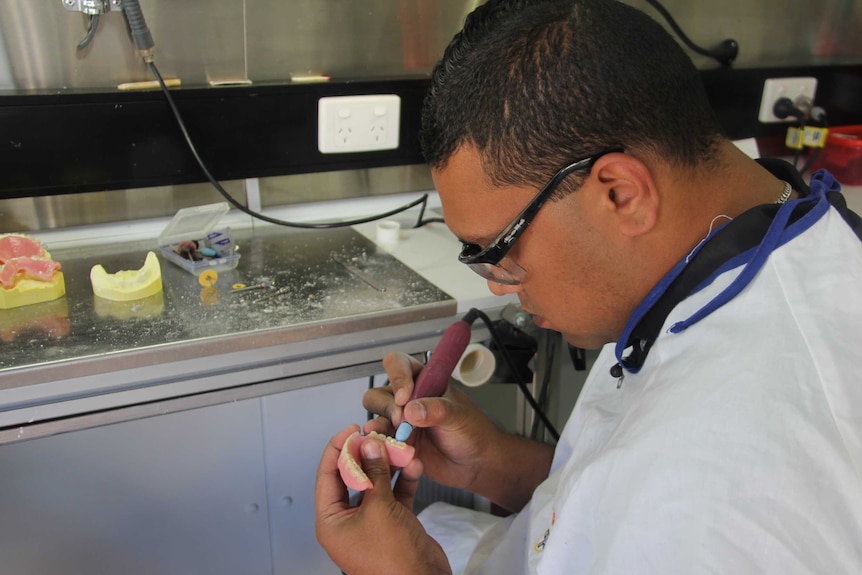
(842, 155)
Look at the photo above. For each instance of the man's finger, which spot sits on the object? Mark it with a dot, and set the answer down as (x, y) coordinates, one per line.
(407, 483)
(402, 370)
(330, 493)
(428, 411)
(379, 425)
(375, 463)
(441, 411)
(379, 400)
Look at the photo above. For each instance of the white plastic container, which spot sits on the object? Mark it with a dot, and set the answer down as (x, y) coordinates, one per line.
(196, 224)
(476, 366)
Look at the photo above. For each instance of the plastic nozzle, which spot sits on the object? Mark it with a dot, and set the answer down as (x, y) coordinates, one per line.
(434, 377)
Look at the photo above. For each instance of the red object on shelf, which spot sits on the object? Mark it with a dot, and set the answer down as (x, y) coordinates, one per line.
(842, 155)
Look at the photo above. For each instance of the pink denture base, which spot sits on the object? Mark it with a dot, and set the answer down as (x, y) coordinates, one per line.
(350, 468)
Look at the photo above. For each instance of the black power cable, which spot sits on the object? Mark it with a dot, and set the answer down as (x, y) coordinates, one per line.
(519, 381)
(423, 200)
(144, 45)
(785, 108)
(545, 388)
(505, 351)
(91, 32)
(815, 153)
(725, 53)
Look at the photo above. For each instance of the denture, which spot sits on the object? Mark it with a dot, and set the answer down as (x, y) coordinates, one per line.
(350, 468)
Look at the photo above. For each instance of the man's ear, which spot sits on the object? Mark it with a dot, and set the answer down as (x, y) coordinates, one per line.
(629, 192)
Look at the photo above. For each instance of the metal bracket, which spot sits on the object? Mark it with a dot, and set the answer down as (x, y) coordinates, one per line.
(92, 7)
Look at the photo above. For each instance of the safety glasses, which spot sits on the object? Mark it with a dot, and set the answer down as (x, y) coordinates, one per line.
(491, 262)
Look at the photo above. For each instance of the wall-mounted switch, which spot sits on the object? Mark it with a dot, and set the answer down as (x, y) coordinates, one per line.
(800, 91)
(358, 123)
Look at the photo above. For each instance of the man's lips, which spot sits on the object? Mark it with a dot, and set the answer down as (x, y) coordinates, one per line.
(538, 320)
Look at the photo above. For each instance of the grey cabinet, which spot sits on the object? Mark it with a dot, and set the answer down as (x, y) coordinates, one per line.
(297, 426)
(179, 493)
(224, 489)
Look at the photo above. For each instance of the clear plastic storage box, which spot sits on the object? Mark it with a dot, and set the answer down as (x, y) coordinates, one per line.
(196, 225)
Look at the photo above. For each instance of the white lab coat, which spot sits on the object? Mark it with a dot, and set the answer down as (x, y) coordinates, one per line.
(737, 448)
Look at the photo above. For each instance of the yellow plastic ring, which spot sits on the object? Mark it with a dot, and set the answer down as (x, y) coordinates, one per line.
(208, 278)
(209, 295)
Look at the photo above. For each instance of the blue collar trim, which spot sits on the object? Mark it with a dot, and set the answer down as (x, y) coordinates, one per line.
(778, 233)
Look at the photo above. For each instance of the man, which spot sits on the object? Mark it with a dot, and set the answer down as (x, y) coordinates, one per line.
(719, 431)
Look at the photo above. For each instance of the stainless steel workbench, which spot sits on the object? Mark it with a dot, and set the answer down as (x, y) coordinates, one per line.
(182, 433)
(81, 360)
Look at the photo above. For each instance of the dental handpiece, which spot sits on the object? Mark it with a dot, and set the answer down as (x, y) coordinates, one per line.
(434, 377)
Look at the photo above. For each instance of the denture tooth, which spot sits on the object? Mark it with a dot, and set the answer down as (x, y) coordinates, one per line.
(398, 452)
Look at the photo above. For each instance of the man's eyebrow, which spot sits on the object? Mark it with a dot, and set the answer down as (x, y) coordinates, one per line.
(476, 241)
(476, 238)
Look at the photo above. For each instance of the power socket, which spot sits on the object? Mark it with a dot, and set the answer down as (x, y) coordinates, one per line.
(798, 90)
(358, 123)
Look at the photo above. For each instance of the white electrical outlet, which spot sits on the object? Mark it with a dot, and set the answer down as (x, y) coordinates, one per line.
(797, 89)
(358, 123)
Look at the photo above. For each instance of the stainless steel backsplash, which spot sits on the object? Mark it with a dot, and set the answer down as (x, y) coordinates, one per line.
(271, 41)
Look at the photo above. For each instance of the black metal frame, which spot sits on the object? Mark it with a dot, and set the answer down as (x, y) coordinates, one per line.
(65, 143)
(62, 143)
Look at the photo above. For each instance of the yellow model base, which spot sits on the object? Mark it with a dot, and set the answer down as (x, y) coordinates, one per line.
(128, 285)
(145, 308)
(29, 291)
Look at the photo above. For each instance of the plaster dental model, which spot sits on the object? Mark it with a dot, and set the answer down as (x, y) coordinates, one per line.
(350, 468)
(128, 285)
(28, 275)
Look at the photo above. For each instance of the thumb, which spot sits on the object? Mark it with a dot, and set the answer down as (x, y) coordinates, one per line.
(375, 463)
(427, 412)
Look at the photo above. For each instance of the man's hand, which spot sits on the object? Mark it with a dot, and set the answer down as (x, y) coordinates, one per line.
(381, 535)
(456, 442)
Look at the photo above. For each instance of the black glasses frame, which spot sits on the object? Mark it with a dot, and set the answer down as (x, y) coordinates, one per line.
(497, 250)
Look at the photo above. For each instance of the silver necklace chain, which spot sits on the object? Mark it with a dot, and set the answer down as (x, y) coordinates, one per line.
(788, 189)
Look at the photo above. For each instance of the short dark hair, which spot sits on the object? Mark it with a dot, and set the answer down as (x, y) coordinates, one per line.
(537, 84)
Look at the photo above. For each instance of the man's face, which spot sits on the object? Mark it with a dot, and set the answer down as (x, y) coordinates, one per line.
(570, 282)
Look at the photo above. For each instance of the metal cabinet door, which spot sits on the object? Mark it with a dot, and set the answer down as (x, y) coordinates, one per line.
(297, 426)
(178, 493)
